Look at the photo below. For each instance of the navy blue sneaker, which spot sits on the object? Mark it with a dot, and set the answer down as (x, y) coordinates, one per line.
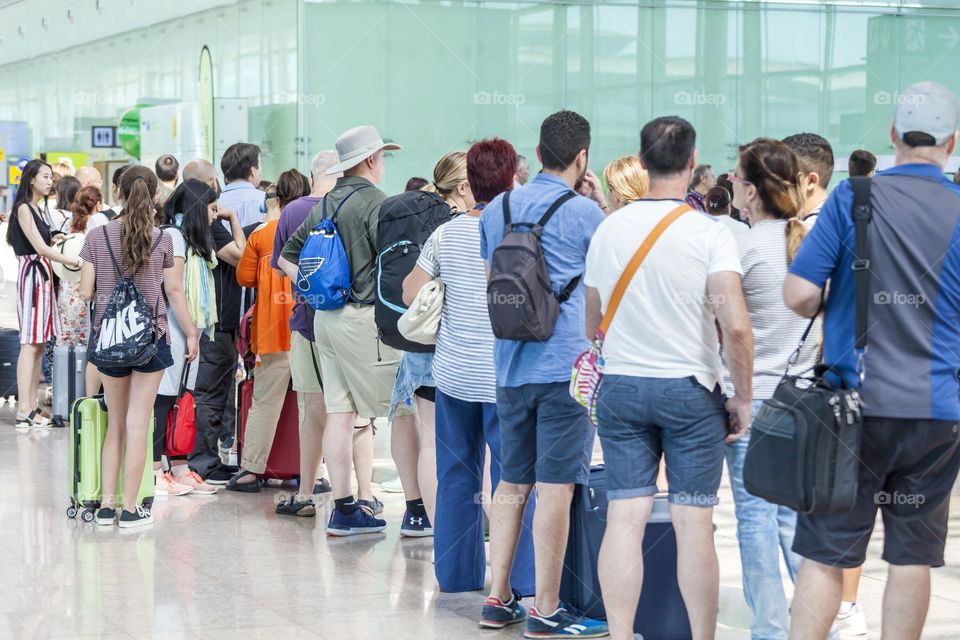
(564, 624)
(415, 526)
(498, 614)
(356, 523)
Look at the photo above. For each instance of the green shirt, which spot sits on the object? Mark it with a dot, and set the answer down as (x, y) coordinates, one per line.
(356, 223)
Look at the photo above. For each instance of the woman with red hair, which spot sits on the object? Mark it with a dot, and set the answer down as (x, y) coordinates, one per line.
(466, 399)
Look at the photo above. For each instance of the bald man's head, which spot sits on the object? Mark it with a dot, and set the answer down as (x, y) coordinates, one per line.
(201, 170)
(89, 177)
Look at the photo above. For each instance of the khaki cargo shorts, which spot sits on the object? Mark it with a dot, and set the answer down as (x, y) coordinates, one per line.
(304, 365)
(358, 370)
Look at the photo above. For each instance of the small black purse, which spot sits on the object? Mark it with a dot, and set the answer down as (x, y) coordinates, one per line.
(804, 450)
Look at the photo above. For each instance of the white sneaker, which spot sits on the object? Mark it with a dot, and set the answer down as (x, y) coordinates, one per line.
(167, 485)
(851, 621)
(392, 486)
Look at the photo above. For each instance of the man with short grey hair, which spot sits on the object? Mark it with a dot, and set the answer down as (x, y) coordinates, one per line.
(907, 374)
(202, 170)
(523, 170)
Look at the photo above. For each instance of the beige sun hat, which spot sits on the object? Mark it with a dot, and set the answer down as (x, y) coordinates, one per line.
(69, 246)
(356, 145)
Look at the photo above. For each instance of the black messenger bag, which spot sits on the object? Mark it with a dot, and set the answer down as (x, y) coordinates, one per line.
(804, 450)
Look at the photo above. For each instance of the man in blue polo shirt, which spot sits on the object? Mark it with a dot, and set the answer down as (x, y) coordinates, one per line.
(910, 446)
(546, 437)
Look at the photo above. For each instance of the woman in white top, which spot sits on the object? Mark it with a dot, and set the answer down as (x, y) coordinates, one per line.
(767, 191)
(464, 374)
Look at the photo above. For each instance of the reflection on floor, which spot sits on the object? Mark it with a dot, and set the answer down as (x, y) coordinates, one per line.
(227, 567)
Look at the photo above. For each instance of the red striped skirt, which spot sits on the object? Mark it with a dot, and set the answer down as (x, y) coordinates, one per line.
(36, 301)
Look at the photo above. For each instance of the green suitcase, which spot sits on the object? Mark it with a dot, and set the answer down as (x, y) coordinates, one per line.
(88, 427)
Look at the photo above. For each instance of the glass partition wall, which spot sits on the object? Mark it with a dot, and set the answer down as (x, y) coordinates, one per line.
(435, 76)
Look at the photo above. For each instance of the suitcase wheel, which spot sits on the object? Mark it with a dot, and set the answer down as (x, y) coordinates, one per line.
(87, 515)
(71, 512)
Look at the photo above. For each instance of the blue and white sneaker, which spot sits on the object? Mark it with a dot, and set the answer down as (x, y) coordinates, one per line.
(498, 614)
(356, 523)
(415, 526)
(564, 624)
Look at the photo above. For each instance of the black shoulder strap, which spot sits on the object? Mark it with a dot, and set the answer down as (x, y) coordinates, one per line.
(556, 205)
(862, 213)
(106, 241)
(506, 209)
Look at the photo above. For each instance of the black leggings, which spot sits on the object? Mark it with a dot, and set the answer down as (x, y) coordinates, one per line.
(162, 407)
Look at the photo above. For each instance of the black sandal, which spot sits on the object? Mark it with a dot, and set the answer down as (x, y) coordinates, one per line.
(305, 509)
(233, 483)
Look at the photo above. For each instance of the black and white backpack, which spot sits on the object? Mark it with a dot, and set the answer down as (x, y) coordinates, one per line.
(128, 334)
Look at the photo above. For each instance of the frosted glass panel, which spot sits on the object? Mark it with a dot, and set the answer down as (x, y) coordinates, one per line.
(436, 76)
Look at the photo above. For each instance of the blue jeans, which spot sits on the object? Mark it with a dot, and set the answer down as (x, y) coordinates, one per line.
(763, 531)
(463, 431)
(642, 419)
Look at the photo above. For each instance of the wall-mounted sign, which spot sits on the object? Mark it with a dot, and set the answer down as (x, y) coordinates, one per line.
(102, 137)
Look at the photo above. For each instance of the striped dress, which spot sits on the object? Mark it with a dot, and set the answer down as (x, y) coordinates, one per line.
(36, 297)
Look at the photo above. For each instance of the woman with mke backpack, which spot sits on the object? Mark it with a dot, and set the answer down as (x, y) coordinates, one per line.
(128, 267)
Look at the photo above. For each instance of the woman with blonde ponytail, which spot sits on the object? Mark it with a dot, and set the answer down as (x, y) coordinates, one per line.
(767, 190)
(145, 254)
(450, 181)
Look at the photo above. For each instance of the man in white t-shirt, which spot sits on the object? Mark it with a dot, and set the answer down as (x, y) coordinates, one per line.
(661, 391)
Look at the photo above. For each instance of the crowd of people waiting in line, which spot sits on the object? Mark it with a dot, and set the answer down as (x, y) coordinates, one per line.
(704, 333)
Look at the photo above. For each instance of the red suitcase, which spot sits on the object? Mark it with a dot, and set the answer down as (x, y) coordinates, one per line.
(284, 460)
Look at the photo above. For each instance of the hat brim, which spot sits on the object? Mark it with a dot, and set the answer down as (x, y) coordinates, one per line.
(352, 162)
(70, 247)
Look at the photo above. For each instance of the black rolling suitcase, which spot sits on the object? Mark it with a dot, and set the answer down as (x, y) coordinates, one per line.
(661, 614)
(9, 352)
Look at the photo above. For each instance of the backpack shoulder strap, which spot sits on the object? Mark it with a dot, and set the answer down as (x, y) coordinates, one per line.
(556, 205)
(113, 257)
(862, 214)
(506, 209)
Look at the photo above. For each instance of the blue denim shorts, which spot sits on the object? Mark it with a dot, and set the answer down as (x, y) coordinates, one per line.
(160, 361)
(641, 419)
(545, 435)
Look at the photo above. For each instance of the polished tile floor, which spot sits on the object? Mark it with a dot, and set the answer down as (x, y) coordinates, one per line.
(227, 567)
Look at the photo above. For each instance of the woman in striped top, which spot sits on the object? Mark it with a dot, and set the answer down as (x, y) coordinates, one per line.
(766, 189)
(466, 382)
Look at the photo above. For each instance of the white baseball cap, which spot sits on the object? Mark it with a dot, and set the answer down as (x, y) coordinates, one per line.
(926, 108)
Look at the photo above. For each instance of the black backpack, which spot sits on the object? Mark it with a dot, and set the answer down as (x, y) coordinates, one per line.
(406, 222)
(127, 336)
(520, 298)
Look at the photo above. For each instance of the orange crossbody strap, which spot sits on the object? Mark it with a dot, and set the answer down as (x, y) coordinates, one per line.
(634, 264)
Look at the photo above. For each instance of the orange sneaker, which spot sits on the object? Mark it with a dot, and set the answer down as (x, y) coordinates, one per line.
(167, 485)
(193, 480)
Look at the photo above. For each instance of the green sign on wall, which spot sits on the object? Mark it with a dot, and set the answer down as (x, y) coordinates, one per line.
(128, 130)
